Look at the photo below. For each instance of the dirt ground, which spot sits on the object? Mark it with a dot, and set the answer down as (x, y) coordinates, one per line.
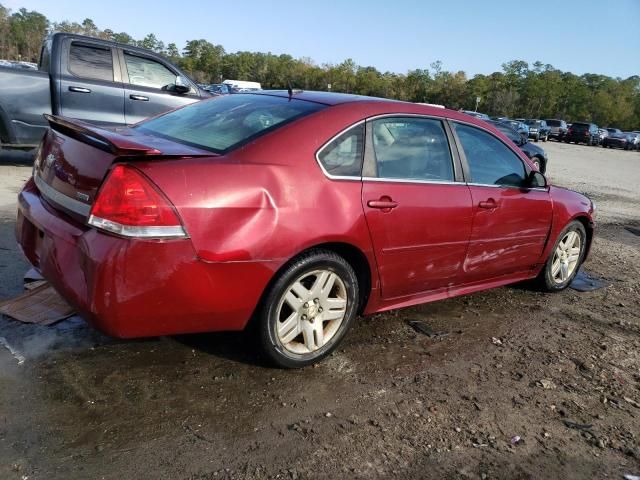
(525, 384)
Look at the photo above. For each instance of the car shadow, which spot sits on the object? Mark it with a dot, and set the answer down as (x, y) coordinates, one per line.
(241, 347)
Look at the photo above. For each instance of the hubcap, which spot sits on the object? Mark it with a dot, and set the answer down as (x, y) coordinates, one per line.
(311, 311)
(566, 256)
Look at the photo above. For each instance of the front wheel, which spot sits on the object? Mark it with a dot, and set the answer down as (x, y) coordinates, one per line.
(308, 310)
(565, 259)
(536, 162)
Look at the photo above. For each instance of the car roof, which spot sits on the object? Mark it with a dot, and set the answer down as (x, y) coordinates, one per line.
(326, 98)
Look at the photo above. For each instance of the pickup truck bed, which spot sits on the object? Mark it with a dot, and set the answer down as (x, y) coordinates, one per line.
(25, 95)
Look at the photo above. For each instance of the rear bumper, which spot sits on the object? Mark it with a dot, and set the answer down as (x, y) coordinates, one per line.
(135, 288)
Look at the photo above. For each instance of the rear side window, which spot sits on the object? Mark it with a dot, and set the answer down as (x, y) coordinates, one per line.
(91, 62)
(226, 122)
(412, 149)
(343, 155)
(148, 73)
(491, 162)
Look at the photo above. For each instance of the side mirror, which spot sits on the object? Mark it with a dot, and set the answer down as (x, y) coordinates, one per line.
(180, 86)
(536, 180)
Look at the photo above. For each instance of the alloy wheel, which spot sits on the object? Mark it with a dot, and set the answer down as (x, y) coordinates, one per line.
(566, 257)
(311, 311)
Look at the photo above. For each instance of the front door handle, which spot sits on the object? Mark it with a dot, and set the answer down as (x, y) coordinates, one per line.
(79, 90)
(140, 98)
(489, 204)
(384, 203)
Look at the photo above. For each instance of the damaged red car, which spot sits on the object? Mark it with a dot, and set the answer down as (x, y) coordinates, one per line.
(294, 210)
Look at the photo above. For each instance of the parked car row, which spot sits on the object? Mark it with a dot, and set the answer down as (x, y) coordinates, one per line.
(578, 132)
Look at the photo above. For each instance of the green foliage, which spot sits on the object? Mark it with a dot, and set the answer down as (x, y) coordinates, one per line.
(519, 90)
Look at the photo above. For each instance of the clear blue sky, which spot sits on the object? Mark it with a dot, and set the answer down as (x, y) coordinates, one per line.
(581, 36)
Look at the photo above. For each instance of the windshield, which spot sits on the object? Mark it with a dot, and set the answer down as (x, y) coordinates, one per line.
(533, 123)
(223, 123)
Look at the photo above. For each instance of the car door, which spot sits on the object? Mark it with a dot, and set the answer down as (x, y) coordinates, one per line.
(90, 86)
(510, 221)
(147, 87)
(417, 207)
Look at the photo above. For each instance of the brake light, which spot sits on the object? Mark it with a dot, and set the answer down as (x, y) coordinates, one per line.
(129, 204)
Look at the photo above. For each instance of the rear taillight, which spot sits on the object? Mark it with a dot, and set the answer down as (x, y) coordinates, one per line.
(129, 204)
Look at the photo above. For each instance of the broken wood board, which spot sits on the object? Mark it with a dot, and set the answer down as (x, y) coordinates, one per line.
(41, 305)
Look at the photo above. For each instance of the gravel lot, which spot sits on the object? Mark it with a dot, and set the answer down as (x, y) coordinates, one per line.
(561, 372)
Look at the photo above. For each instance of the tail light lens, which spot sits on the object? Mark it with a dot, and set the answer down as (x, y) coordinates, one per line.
(129, 204)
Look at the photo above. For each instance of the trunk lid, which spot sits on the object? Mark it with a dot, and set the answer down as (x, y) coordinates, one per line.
(75, 157)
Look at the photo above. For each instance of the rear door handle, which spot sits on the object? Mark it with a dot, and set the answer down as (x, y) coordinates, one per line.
(140, 98)
(79, 90)
(384, 203)
(489, 204)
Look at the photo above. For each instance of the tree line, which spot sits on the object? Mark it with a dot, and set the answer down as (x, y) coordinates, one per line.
(518, 90)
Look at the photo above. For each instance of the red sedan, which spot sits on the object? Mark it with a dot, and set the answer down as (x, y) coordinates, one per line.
(296, 211)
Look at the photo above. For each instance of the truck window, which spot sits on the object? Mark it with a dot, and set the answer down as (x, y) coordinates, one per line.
(91, 62)
(148, 73)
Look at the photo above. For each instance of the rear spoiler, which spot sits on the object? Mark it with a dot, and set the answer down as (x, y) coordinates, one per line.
(106, 140)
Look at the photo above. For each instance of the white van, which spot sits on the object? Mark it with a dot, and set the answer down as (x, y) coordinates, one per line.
(242, 85)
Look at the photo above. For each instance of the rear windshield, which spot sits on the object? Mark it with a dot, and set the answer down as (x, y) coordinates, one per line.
(533, 123)
(553, 123)
(224, 123)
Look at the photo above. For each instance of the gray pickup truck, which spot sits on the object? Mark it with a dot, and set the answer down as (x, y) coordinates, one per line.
(102, 82)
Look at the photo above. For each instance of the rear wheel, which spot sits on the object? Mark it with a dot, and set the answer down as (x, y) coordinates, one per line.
(308, 310)
(565, 259)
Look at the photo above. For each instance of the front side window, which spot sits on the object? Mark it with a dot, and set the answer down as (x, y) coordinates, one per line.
(91, 62)
(343, 155)
(223, 123)
(148, 73)
(411, 149)
(491, 162)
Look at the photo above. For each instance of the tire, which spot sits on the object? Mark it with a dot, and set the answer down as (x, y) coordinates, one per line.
(536, 162)
(552, 278)
(292, 321)
(537, 139)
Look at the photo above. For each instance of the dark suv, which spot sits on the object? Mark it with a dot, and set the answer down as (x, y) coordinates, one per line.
(558, 128)
(538, 129)
(583, 132)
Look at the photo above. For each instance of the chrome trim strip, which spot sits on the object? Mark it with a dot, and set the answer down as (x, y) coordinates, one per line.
(327, 143)
(54, 195)
(135, 231)
(542, 189)
(407, 180)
